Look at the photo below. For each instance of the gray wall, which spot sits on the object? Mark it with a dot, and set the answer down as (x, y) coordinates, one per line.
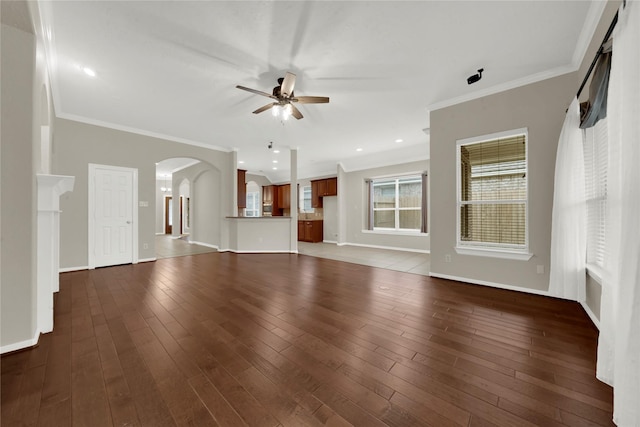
(330, 218)
(356, 208)
(17, 187)
(160, 205)
(78, 144)
(540, 107)
(206, 210)
(261, 180)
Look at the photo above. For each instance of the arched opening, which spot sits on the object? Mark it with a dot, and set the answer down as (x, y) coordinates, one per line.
(180, 189)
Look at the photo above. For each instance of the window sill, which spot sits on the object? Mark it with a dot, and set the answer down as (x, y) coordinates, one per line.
(494, 253)
(395, 233)
(595, 273)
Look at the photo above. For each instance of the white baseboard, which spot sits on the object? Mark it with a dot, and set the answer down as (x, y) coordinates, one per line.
(68, 269)
(330, 241)
(591, 314)
(586, 308)
(21, 344)
(208, 245)
(147, 259)
(262, 252)
(493, 285)
(391, 248)
(159, 234)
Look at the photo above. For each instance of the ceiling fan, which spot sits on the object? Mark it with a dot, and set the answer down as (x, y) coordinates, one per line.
(284, 98)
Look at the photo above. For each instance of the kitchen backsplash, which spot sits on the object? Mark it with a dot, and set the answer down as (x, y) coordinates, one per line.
(316, 214)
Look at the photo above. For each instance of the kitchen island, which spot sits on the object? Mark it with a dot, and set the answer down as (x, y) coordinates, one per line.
(262, 234)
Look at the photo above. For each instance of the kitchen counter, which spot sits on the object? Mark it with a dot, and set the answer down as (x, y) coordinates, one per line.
(258, 217)
(263, 234)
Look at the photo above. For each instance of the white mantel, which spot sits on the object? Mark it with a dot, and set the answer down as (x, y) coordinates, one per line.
(50, 188)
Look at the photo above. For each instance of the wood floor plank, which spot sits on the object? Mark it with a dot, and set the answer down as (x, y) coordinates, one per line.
(290, 340)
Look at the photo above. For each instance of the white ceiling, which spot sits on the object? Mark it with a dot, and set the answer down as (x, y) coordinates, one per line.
(169, 69)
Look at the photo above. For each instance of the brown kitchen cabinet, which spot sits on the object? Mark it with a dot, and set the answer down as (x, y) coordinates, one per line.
(284, 196)
(310, 230)
(242, 189)
(316, 199)
(331, 187)
(321, 188)
(267, 194)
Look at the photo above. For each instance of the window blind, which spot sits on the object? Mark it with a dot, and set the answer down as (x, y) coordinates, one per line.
(596, 158)
(493, 193)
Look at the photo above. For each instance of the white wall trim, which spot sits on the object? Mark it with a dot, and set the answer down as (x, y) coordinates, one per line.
(591, 314)
(208, 245)
(68, 269)
(137, 131)
(334, 242)
(493, 253)
(594, 14)
(261, 252)
(21, 344)
(495, 285)
(147, 259)
(390, 232)
(391, 248)
(534, 78)
(584, 305)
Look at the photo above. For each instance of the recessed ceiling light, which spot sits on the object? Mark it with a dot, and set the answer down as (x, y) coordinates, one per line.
(275, 168)
(89, 72)
(398, 141)
(358, 149)
(275, 161)
(241, 161)
(276, 151)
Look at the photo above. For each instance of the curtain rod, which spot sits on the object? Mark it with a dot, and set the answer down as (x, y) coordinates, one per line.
(600, 50)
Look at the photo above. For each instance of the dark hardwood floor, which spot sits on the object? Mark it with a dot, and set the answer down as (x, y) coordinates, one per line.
(272, 339)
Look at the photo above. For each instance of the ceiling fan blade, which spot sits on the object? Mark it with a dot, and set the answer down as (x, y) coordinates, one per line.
(295, 112)
(286, 89)
(265, 108)
(311, 99)
(257, 92)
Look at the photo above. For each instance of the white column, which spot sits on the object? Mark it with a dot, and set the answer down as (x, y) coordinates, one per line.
(294, 200)
(342, 205)
(50, 188)
(175, 207)
(234, 179)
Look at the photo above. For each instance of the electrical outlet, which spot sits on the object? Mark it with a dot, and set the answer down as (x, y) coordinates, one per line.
(447, 258)
(145, 246)
(540, 269)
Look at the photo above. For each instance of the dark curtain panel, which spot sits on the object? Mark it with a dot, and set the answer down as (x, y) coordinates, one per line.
(423, 227)
(596, 108)
(369, 184)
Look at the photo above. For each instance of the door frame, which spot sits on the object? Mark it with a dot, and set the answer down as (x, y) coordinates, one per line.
(91, 211)
(168, 229)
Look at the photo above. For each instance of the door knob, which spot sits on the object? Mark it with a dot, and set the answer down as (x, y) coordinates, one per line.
(128, 222)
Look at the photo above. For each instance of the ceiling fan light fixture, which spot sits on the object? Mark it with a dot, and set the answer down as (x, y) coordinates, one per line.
(275, 110)
(286, 112)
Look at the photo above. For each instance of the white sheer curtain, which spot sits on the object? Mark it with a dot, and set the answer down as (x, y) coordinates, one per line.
(619, 342)
(567, 272)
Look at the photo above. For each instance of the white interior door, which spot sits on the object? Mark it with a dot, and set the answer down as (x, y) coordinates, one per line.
(113, 215)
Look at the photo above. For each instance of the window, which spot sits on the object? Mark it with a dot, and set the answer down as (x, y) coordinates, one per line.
(305, 199)
(595, 170)
(492, 192)
(397, 203)
(253, 204)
